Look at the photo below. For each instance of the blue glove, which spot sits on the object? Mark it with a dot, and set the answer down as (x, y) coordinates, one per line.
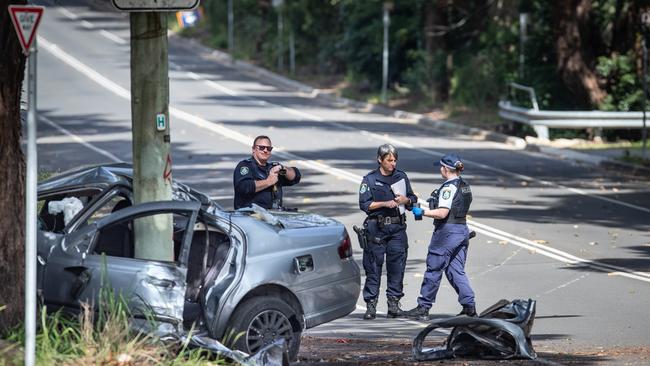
(417, 213)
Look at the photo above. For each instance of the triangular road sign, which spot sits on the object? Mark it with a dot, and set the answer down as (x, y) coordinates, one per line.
(26, 19)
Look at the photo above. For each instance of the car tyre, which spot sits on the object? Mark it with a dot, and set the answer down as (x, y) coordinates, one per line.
(262, 320)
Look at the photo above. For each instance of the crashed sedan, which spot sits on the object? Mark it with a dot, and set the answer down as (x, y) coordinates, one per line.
(264, 275)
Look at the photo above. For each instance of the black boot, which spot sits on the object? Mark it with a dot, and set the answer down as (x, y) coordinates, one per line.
(371, 309)
(469, 310)
(419, 313)
(394, 310)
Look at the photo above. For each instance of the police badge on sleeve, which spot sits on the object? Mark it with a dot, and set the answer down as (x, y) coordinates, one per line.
(446, 194)
(243, 170)
(363, 189)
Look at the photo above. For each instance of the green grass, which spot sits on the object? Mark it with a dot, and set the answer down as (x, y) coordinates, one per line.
(101, 337)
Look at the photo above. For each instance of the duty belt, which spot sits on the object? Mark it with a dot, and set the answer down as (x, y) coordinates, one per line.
(387, 220)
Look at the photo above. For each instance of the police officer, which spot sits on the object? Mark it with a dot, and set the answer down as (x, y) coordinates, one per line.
(259, 181)
(448, 247)
(384, 194)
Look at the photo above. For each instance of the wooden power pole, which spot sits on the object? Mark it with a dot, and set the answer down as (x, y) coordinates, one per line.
(151, 138)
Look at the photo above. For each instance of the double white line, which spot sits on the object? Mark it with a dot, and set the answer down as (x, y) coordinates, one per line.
(495, 233)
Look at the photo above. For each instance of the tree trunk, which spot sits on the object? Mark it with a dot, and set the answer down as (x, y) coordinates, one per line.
(435, 41)
(576, 63)
(12, 174)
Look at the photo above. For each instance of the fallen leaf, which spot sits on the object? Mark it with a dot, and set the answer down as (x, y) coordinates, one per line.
(503, 242)
(540, 241)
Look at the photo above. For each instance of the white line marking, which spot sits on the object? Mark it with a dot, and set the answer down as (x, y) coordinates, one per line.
(80, 140)
(87, 24)
(400, 143)
(67, 13)
(565, 284)
(112, 37)
(312, 164)
(421, 324)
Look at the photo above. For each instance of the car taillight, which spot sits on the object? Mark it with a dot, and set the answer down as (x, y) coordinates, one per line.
(345, 248)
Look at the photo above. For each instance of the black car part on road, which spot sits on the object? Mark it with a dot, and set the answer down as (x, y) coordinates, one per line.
(501, 332)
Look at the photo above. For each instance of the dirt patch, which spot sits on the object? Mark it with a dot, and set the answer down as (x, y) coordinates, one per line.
(347, 352)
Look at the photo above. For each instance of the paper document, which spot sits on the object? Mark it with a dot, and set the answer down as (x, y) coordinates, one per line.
(399, 187)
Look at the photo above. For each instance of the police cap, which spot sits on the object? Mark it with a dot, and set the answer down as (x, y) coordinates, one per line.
(451, 161)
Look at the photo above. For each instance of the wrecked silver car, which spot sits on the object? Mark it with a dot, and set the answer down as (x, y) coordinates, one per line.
(264, 274)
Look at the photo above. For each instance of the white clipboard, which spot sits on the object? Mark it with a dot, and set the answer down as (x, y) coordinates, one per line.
(399, 187)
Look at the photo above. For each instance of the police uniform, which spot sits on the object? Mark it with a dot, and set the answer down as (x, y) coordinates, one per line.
(386, 233)
(448, 246)
(246, 173)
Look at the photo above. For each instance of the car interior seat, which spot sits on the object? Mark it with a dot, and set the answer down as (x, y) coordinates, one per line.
(117, 240)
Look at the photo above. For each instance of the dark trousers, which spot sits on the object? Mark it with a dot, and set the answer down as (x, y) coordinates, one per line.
(447, 253)
(395, 250)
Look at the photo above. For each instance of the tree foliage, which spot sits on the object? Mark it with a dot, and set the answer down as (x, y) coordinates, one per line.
(579, 54)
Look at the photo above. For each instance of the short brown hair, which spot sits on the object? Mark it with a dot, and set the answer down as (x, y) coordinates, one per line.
(260, 137)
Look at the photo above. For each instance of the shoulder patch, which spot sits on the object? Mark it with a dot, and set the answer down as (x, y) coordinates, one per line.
(243, 170)
(446, 193)
(363, 189)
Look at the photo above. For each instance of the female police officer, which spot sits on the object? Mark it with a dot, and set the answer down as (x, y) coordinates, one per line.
(448, 246)
(384, 194)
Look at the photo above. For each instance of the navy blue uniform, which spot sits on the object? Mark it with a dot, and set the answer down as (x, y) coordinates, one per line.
(387, 233)
(448, 246)
(244, 177)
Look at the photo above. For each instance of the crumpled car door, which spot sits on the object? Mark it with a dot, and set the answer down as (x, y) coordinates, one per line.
(153, 289)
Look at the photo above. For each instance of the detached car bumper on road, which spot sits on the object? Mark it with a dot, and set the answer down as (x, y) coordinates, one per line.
(267, 274)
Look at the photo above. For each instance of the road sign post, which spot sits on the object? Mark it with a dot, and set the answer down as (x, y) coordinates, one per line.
(26, 20)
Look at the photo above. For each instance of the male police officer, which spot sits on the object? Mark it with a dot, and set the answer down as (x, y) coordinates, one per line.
(259, 181)
(384, 193)
(448, 247)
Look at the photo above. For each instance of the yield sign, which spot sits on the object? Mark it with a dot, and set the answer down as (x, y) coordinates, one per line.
(25, 19)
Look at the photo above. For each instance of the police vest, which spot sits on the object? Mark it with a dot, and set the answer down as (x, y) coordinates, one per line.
(459, 205)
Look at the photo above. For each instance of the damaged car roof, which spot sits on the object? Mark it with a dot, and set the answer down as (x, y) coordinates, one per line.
(103, 176)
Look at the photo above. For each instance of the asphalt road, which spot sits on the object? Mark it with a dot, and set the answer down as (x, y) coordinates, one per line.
(574, 237)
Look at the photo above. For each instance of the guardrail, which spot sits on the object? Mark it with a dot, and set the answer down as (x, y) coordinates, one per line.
(542, 120)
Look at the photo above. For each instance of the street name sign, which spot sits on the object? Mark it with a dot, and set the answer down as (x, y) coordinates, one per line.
(155, 5)
(26, 19)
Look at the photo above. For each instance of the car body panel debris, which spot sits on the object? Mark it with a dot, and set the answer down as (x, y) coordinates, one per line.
(501, 332)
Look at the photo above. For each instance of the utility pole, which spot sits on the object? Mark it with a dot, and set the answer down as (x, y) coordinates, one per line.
(231, 31)
(388, 6)
(280, 45)
(523, 26)
(645, 24)
(151, 138)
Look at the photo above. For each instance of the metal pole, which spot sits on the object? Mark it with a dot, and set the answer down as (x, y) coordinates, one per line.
(231, 31)
(292, 53)
(384, 66)
(644, 132)
(280, 48)
(30, 212)
(523, 24)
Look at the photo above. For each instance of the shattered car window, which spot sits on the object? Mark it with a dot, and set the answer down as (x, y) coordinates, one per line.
(113, 205)
(57, 211)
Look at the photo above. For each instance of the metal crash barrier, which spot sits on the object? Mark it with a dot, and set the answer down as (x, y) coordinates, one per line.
(542, 120)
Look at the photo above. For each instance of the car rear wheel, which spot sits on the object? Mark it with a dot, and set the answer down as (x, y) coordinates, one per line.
(262, 320)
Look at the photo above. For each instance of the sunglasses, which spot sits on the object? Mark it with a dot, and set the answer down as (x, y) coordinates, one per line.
(262, 148)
